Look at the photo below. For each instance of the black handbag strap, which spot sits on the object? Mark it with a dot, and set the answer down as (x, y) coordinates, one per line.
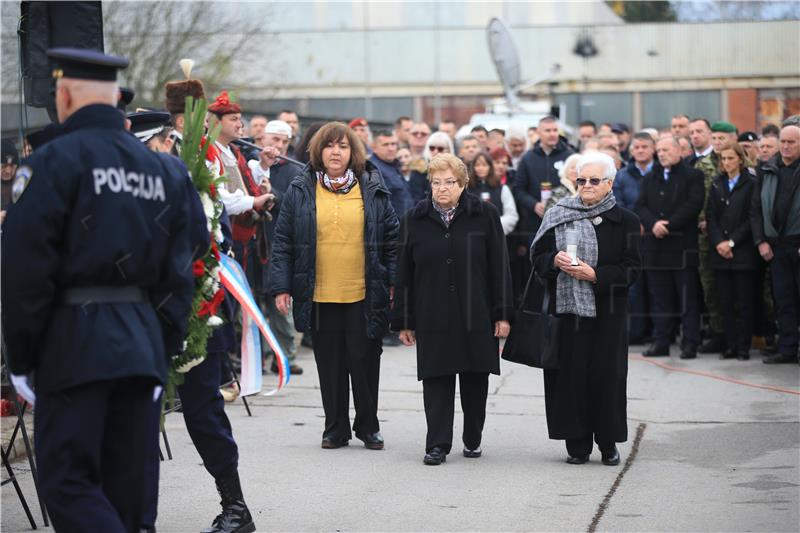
(545, 298)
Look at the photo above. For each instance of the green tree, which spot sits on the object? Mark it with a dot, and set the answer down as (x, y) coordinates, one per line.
(644, 11)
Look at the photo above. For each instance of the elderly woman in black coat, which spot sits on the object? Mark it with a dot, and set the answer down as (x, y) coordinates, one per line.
(734, 258)
(585, 397)
(453, 299)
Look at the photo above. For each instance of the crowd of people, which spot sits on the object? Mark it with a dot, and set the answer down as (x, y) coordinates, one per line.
(362, 239)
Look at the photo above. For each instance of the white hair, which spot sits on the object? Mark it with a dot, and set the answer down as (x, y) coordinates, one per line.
(438, 138)
(571, 160)
(598, 158)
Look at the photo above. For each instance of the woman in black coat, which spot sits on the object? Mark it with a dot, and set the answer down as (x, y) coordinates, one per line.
(734, 258)
(453, 298)
(585, 397)
(334, 254)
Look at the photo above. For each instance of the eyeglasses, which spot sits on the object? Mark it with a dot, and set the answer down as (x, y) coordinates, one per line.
(594, 181)
(446, 185)
(419, 134)
(437, 148)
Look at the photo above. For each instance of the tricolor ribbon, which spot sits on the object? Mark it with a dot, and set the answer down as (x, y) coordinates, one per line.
(233, 279)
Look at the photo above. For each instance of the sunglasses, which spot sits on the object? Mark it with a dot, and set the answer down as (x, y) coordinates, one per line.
(437, 148)
(594, 181)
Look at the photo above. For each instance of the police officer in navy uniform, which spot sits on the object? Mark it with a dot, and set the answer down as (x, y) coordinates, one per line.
(202, 404)
(96, 289)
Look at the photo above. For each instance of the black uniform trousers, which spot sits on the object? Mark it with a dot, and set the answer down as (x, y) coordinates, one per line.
(439, 397)
(208, 426)
(785, 269)
(736, 288)
(92, 443)
(204, 413)
(675, 292)
(345, 354)
(583, 446)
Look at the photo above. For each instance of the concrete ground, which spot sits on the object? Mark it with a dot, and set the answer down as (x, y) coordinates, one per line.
(712, 456)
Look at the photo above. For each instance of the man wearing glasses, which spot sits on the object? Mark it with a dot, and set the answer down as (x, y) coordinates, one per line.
(417, 139)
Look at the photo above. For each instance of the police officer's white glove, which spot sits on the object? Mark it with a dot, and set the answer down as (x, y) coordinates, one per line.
(22, 384)
(157, 392)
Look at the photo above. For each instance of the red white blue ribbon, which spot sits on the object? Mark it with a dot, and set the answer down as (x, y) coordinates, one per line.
(233, 279)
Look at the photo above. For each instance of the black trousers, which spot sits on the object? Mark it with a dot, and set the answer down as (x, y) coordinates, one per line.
(583, 446)
(92, 444)
(207, 423)
(675, 293)
(785, 267)
(345, 354)
(736, 288)
(439, 396)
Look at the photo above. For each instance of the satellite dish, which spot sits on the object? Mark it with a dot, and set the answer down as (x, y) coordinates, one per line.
(505, 58)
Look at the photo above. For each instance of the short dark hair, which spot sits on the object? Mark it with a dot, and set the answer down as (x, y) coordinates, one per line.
(681, 115)
(548, 118)
(770, 130)
(498, 130)
(479, 128)
(701, 119)
(400, 120)
(333, 132)
(447, 121)
(588, 123)
(288, 111)
(383, 133)
(643, 136)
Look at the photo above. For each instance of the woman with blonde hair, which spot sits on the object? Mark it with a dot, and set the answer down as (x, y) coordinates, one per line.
(453, 299)
(438, 143)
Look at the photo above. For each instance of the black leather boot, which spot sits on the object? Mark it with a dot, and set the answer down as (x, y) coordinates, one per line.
(235, 517)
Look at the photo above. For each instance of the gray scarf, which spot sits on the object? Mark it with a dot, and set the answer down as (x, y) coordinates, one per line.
(574, 296)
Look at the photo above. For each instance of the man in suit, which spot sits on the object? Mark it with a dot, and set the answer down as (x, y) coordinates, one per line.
(670, 200)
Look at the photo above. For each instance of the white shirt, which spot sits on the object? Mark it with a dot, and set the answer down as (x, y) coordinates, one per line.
(704, 152)
(510, 215)
(236, 202)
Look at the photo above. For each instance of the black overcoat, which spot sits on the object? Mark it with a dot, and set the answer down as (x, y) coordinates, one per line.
(728, 218)
(453, 284)
(678, 200)
(587, 394)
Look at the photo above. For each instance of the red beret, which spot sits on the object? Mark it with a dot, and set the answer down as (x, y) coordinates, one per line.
(223, 105)
(358, 122)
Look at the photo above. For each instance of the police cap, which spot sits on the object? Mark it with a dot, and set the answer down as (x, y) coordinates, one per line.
(9, 152)
(748, 136)
(85, 64)
(146, 124)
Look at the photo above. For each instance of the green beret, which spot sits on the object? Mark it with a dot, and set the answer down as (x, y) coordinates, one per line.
(724, 127)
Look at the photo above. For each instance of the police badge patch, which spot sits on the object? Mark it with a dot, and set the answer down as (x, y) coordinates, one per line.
(21, 180)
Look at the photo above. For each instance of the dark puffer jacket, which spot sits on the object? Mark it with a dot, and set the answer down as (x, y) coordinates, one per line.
(294, 249)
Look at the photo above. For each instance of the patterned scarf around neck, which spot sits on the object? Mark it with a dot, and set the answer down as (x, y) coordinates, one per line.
(446, 214)
(575, 296)
(341, 185)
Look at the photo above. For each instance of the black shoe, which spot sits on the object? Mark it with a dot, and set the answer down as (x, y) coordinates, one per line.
(373, 441)
(235, 517)
(435, 457)
(779, 359)
(688, 353)
(743, 356)
(296, 370)
(331, 444)
(727, 354)
(577, 459)
(656, 351)
(716, 344)
(611, 458)
(392, 340)
(472, 453)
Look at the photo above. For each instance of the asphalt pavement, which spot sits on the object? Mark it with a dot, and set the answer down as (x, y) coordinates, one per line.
(708, 450)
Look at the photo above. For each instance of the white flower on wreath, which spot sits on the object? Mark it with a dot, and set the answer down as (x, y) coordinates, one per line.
(214, 321)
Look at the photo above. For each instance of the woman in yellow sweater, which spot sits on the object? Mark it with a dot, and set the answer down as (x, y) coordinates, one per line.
(333, 261)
